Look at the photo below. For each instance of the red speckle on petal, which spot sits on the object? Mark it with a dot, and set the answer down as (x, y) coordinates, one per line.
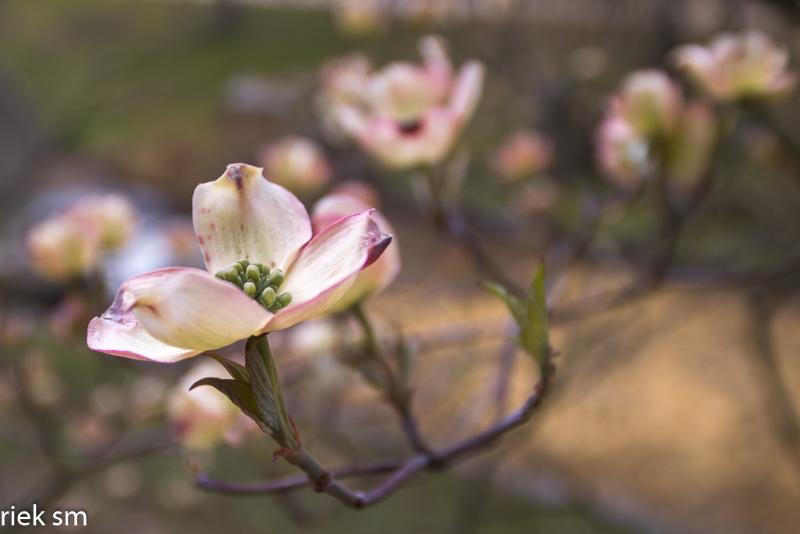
(213, 226)
(201, 240)
(207, 256)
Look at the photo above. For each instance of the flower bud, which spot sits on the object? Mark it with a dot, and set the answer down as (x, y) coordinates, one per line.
(284, 299)
(268, 297)
(276, 277)
(249, 289)
(253, 273)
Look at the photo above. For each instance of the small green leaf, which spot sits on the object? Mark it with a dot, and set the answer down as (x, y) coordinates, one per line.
(237, 371)
(513, 303)
(531, 317)
(240, 394)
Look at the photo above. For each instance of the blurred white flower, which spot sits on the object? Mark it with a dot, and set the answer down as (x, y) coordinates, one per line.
(73, 243)
(297, 164)
(203, 417)
(735, 66)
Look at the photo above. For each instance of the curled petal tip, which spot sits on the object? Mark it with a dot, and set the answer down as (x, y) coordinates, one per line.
(377, 249)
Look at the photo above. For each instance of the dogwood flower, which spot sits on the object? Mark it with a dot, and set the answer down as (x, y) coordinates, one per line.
(297, 164)
(345, 201)
(650, 126)
(265, 272)
(523, 154)
(411, 115)
(73, 243)
(342, 84)
(202, 418)
(735, 66)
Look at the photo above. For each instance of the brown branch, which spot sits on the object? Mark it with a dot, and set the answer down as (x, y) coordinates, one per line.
(326, 481)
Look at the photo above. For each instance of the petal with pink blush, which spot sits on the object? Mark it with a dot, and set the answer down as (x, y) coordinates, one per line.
(241, 215)
(467, 90)
(192, 309)
(377, 276)
(119, 333)
(326, 267)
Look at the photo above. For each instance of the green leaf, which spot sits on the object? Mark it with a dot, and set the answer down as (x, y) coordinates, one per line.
(240, 394)
(262, 387)
(513, 303)
(531, 317)
(237, 371)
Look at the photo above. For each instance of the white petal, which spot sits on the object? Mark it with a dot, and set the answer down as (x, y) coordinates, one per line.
(327, 266)
(241, 215)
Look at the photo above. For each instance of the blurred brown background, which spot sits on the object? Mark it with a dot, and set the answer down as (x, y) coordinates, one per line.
(676, 412)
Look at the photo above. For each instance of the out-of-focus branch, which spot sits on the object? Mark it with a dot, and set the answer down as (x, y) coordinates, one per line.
(58, 484)
(780, 408)
(397, 393)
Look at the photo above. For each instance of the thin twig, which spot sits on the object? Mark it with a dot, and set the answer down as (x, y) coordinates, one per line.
(326, 481)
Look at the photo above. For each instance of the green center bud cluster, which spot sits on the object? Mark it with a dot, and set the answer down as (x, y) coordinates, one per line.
(258, 282)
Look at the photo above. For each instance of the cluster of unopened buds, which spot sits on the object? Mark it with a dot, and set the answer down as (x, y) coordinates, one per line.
(259, 282)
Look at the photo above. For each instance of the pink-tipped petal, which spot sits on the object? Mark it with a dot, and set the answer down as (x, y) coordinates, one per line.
(174, 313)
(119, 333)
(193, 309)
(241, 215)
(377, 276)
(326, 267)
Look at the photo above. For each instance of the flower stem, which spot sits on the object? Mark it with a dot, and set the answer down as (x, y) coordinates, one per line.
(287, 429)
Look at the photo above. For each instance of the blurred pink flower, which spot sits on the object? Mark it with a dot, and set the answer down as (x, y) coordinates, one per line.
(72, 243)
(523, 154)
(347, 200)
(409, 115)
(622, 153)
(342, 84)
(265, 272)
(733, 66)
(297, 164)
(203, 418)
